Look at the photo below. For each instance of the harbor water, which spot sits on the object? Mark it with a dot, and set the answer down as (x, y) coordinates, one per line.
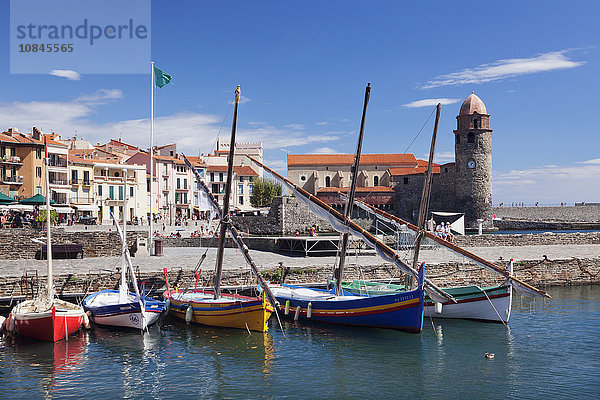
(549, 350)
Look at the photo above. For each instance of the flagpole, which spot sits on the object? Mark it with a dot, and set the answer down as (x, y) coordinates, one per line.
(151, 244)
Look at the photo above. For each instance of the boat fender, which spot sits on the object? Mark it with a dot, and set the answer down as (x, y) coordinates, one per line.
(167, 305)
(189, 313)
(2, 323)
(287, 307)
(309, 310)
(297, 313)
(438, 307)
(11, 323)
(86, 320)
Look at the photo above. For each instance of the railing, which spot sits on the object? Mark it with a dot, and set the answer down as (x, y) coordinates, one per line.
(12, 179)
(86, 182)
(11, 159)
(58, 163)
(58, 182)
(74, 181)
(80, 200)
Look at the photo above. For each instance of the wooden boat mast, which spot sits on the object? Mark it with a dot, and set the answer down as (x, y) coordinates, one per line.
(380, 247)
(454, 248)
(351, 193)
(425, 196)
(235, 234)
(225, 220)
(50, 284)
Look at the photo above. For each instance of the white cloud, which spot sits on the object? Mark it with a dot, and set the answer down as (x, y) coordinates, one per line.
(551, 184)
(193, 132)
(101, 96)
(324, 150)
(66, 73)
(430, 102)
(321, 123)
(505, 68)
(294, 126)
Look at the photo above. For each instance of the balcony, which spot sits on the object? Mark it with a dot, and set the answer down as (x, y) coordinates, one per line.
(75, 181)
(58, 163)
(11, 160)
(59, 182)
(86, 182)
(12, 180)
(80, 200)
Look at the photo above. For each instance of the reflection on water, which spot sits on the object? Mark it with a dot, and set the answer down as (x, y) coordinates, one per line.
(549, 351)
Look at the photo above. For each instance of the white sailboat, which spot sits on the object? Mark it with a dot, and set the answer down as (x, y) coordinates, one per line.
(121, 307)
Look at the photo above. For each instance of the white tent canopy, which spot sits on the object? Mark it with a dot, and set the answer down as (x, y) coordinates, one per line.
(458, 223)
(85, 207)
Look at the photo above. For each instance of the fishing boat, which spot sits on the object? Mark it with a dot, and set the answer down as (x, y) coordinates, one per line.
(121, 307)
(402, 311)
(46, 317)
(211, 307)
(470, 302)
(491, 303)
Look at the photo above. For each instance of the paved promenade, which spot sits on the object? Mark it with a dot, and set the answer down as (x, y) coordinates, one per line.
(187, 258)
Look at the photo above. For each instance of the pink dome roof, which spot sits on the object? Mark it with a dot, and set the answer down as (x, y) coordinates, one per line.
(472, 104)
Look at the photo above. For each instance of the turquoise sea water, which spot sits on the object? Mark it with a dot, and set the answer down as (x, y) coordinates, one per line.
(551, 350)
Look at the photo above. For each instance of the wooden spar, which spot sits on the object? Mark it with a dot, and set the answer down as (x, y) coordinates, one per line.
(426, 191)
(454, 248)
(351, 193)
(354, 226)
(225, 214)
(236, 236)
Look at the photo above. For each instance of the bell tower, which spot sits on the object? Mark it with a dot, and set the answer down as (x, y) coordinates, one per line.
(473, 163)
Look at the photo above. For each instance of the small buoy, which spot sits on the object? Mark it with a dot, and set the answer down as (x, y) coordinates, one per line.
(297, 313)
(167, 305)
(309, 310)
(189, 313)
(88, 313)
(489, 355)
(287, 307)
(86, 321)
(438, 307)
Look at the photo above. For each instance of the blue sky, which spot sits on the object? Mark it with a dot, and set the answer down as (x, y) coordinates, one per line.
(303, 67)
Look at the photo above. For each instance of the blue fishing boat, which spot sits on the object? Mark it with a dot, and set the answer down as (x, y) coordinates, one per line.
(402, 311)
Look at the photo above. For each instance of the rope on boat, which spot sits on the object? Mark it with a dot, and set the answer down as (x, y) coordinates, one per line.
(497, 313)
(244, 315)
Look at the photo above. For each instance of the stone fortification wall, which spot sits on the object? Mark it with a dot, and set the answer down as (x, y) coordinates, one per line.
(528, 239)
(16, 243)
(584, 213)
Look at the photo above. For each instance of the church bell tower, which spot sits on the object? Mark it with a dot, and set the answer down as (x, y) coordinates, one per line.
(473, 163)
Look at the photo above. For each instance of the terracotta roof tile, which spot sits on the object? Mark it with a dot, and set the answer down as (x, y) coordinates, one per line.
(243, 170)
(365, 189)
(394, 159)
(414, 171)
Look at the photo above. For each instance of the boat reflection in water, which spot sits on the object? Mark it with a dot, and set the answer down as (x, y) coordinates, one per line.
(53, 364)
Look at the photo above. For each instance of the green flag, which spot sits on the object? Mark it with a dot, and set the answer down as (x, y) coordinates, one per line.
(161, 78)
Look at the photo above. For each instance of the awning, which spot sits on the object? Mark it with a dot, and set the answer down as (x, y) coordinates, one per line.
(58, 190)
(20, 207)
(459, 220)
(85, 207)
(154, 210)
(60, 209)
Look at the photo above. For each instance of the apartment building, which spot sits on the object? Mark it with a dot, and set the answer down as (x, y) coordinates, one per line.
(21, 165)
